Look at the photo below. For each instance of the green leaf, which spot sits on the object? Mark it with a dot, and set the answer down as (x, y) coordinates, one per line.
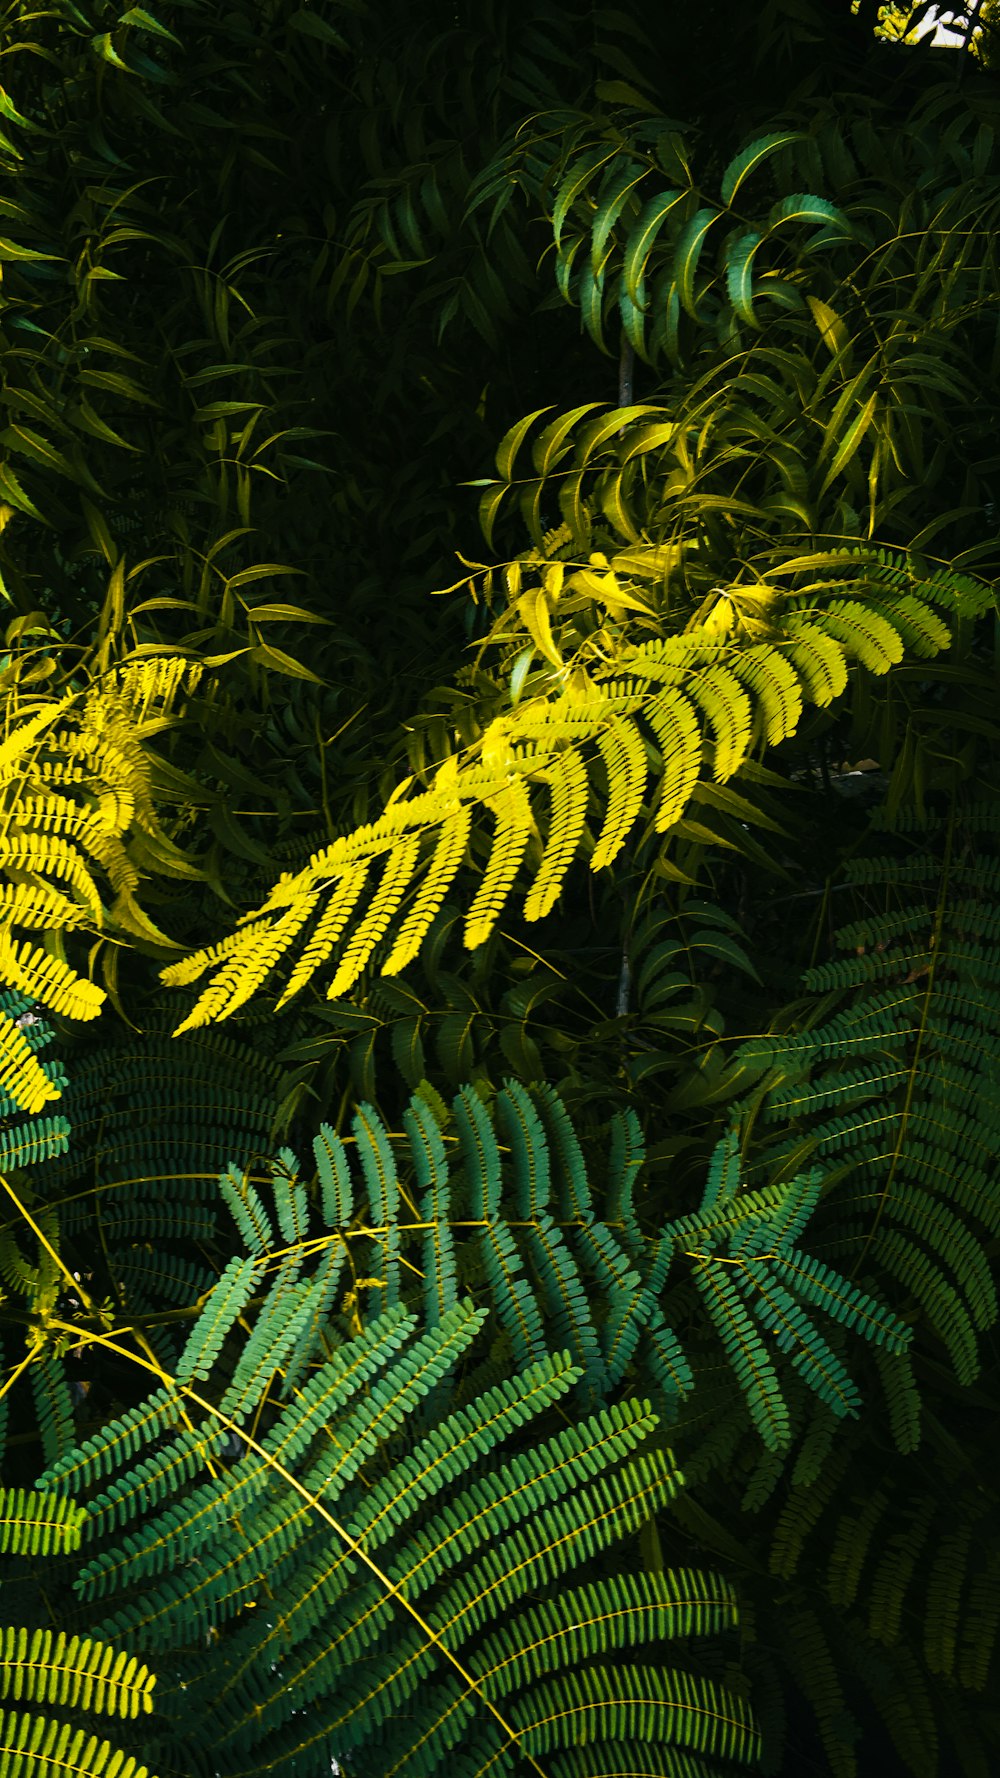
(576, 181)
(22, 438)
(12, 250)
(107, 50)
(12, 491)
(280, 662)
(312, 26)
(749, 159)
(850, 442)
(802, 206)
(831, 328)
(642, 236)
(739, 274)
(718, 944)
(622, 92)
(590, 296)
(512, 441)
(284, 614)
(86, 418)
(137, 15)
(261, 571)
(113, 380)
(688, 254)
(610, 208)
(547, 448)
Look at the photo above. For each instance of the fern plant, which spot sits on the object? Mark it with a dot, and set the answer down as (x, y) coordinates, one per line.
(765, 566)
(353, 1502)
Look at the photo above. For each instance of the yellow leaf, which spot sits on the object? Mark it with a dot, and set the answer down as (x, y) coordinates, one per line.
(534, 608)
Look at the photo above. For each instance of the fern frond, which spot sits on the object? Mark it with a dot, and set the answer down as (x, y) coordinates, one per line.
(29, 1744)
(597, 1619)
(43, 977)
(751, 1365)
(400, 866)
(514, 823)
(226, 1302)
(37, 1523)
(643, 1703)
(624, 753)
(718, 691)
(43, 1667)
(23, 1079)
(448, 853)
(672, 718)
(327, 930)
(567, 781)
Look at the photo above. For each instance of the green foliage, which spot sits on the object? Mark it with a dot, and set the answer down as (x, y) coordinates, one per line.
(619, 929)
(361, 1553)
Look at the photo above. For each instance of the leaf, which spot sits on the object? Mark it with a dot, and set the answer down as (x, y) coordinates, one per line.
(12, 250)
(118, 385)
(850, 442)
(280, 662)
(534, 609)
(512, 441)
(831, 328)
(739, 270)
(643, 234)
(802, 206)
(749, 159)
(312, 26)
(547, 448)
(576, 181)
(12, 491)
(610, 208)
(137, 15)
(273, 614)
(38, 448)
(687, 255)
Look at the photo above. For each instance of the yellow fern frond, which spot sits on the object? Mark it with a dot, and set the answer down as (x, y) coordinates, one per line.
(21, 1073)
(248, 967)
(16, 744)
(30, 1744)
(156, 679)
(46, 854)
(188, 969)
(567, 782)
(49, 1667)
(868, 635)
(624, 752)
(514, 823)
(441, 871)
(115, 807)
(45, 978)
(718, 692)
(773, 679)
(38, 904)
(396, 878)
(79, 826)
(675, 724)
(817, 658)
(328, 928)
